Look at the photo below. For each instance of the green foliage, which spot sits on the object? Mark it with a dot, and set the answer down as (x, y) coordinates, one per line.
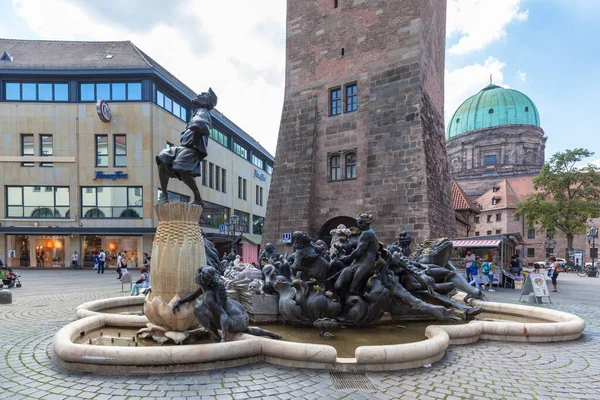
(567, 195)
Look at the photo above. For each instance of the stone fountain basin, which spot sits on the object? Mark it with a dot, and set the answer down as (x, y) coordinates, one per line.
(555, 326)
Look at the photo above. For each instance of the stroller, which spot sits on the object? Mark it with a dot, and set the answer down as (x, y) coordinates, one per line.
(9, 278)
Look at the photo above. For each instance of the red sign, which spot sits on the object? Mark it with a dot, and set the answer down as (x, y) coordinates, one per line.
(103, 111)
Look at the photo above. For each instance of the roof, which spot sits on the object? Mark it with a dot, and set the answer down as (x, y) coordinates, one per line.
(493, 106)
(508, 193)
(460, 200)
(476, 243)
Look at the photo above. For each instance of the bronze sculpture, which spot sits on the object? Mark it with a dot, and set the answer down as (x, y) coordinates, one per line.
(185, 162)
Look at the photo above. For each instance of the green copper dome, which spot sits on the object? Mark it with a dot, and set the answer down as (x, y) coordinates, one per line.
(493, 106)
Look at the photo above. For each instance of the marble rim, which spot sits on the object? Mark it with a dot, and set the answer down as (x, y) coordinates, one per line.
(246, 349)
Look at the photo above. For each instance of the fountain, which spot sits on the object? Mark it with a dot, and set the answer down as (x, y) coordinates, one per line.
(347, 307)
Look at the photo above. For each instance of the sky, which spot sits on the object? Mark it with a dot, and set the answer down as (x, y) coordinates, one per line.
(546, 49)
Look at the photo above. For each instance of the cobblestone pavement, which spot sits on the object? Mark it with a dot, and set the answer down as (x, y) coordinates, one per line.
(484, 370)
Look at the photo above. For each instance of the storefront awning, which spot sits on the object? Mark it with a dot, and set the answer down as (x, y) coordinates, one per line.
(76, 230)
(476, 243)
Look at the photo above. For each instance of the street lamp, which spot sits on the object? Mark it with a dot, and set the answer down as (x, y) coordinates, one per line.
(591, 237)
(549, 245)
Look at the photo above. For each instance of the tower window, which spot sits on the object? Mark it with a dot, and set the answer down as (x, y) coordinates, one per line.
(526, 109)
(342, 52)
(335, 101)
(335, 168)
(335, 5)
(491, 111)
(350, 165)
(351, 97)
(457, 120)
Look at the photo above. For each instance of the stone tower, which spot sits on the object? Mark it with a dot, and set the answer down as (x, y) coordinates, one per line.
(362, 125)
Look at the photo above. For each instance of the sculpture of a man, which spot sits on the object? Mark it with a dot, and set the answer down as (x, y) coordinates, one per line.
(185, 162)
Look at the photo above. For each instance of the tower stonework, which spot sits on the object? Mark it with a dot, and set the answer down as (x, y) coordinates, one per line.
(393, 53)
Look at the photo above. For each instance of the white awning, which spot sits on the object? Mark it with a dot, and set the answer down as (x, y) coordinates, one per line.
(476, 243)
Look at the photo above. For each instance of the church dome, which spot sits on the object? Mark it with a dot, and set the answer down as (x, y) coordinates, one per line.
(493, 106)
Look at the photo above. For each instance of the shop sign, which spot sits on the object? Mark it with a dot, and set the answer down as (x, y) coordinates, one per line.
(114, 176)
(286, 238)
(103, 111)
(536, 284)
(260, 176)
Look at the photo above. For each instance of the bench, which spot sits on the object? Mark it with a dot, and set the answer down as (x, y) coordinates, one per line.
(126, 278)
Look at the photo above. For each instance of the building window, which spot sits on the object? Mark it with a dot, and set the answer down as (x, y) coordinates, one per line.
(27, 149)
(498, 217)
(335, 168)
(46, 149)
(335, 101)
(351, 166)
(110, 91)
(489, 233)
(489, 218)
(217, 177)
(335, 3)
(269, 169)
(173, 196)
(477, 233)
(120, 150)
(112, 202)
(494, 189)
(477, 219)
(204, 170)
(495, 200)
(242, 183)
(257, 224)
(18, 91)
(223, 180)
(31, 202)
(258, 162)
(491, 111)
(101, 150)
(214, 215)
(530, 252)
(351, 98)
(240, 150)
(489, 160)
(259, 195)
(243, 220)
(245, 189)
(211, 168)
(498, 231)
(171, 106)
(219, 136)
(526, 109)
(531, 234)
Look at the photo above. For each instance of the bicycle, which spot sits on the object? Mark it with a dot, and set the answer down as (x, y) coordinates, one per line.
(591, 271)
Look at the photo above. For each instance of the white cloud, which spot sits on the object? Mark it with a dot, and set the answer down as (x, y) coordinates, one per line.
(246, 37)
(522, 76)
(464, 82)
(479, 23)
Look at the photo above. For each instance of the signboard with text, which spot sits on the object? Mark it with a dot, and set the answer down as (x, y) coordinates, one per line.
(536, 284)
(286, 238)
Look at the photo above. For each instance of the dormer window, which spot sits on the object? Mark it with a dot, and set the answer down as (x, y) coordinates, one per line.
(491, 111)
(494, 189)
(495, 200)
(6, 57)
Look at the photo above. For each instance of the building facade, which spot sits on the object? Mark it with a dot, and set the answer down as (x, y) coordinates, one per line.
(493, 135)
(75, 178)
(362, 121)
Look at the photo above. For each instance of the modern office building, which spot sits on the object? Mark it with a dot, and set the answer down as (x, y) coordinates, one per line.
(80, 125)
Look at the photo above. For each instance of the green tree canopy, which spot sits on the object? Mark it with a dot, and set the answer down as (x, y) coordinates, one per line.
(567, 196)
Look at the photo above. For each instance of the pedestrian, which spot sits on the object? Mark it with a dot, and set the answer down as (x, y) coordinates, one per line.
(469, 259)
(556, 269)
(146, 262)
(515, 266)
(96, 260)
(142, 282)
(119, 259)
(486, 269)
(474, 269)
(74, 260)
(238, 259)
(101, 261)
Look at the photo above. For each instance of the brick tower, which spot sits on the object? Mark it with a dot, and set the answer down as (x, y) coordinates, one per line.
(362, 126)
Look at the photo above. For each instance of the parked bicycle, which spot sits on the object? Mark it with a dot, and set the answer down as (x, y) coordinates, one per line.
(589, 270)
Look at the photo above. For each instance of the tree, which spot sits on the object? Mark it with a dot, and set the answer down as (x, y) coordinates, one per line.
(567, 196)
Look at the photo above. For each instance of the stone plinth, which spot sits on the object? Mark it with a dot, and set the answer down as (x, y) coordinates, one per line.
(177, 252)
(5, 297)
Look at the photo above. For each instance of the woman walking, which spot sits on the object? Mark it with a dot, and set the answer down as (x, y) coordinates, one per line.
(556, 269)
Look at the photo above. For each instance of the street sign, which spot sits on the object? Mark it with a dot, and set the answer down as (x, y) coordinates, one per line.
(286, 238)
(223, 228)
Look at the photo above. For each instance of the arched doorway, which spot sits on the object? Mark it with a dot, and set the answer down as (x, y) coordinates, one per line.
(324, 232)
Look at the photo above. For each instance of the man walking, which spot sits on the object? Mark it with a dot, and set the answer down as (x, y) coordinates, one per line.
(75, 259)
(469, 259)
(119, 260)
(101, 260)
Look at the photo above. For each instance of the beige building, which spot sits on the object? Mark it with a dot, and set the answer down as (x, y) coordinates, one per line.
(72, 180)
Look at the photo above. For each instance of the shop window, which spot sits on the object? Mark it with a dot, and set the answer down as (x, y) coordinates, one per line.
(101, 150)
(489, 218)
(46, 149)
(32, 202)
(112, 202)
(531, 234)
(335, 101)
(120, 150)
(243, 220)
(350, 166)
(175, 197)
(257, 225)
(335, 168)
(498, 217)
(214, 215)
(531, 252)
(27, 149)
(351, 97)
